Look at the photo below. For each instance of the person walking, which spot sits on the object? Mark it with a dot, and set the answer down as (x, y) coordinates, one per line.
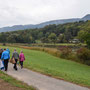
(15, 55)
(21, 58)
(1, 50)
(8, 50)
(5, 56)
(1, 62)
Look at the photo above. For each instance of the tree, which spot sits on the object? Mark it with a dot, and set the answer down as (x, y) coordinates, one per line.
(52, 37)
(60, 38)
(11, 39)
(44, 40)
(40, 35)
(67, 35)
(85, 36)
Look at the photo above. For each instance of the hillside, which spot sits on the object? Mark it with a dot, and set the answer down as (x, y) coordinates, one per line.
(87, 17)
(41, 25)
(61, 33)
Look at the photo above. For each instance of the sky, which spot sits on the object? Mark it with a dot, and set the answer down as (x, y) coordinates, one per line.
(21, 12)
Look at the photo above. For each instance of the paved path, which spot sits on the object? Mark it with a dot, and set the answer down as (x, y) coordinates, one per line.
(40, 81)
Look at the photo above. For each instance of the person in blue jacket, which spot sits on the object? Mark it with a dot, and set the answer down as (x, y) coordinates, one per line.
(5, 56)
(8, 50)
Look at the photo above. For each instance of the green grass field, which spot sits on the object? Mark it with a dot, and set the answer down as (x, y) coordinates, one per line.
(56, 67)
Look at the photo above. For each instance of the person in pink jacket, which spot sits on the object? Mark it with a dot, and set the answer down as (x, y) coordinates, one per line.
(21, 58)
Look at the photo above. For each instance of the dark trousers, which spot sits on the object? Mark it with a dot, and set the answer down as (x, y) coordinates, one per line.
(15, 65)
(21, 63)
(6, 64)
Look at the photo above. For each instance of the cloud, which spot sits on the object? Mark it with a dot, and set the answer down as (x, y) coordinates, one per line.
(14, 12)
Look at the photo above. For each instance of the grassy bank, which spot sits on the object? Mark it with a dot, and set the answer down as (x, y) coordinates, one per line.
(15, 83)
(56, 67)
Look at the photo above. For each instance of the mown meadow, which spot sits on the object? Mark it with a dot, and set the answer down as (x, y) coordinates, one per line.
(53, 66)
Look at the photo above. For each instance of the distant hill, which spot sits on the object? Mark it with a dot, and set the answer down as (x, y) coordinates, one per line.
(87, 17)
(41, 25)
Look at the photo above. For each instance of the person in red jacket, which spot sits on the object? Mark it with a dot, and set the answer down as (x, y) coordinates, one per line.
(21, 58)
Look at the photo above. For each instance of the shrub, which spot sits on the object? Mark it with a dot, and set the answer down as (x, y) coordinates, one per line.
(73, 57)
(51, 51)
(65, 52)
(4, 44)
(84, 55)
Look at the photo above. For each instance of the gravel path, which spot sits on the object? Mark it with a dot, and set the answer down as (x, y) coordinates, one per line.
(40, 81)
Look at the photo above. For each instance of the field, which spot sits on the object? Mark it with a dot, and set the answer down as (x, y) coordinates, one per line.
(56, 67)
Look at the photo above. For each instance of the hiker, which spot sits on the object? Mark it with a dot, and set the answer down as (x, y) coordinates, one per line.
(21, 58)
(1, 50)
(8, 50)
(15, 55)
(5, 56)
(1, 62)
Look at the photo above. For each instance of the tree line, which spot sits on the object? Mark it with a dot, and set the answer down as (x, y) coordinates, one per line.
(61, 33)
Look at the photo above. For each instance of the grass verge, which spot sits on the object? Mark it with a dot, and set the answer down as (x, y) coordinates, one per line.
(15, 82)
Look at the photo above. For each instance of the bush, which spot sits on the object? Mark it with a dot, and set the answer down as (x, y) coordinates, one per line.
(73, 57)
(65, 52)
(51, 51)
(84, 55)
(4, 44)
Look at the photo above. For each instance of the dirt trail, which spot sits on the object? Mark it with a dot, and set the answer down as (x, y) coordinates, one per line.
(40, 81)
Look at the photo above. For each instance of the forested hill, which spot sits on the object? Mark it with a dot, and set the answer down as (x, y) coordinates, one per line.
(41, 25)
(52, 33)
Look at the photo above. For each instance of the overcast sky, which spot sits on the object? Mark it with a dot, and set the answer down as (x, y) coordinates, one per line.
(16, 12)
